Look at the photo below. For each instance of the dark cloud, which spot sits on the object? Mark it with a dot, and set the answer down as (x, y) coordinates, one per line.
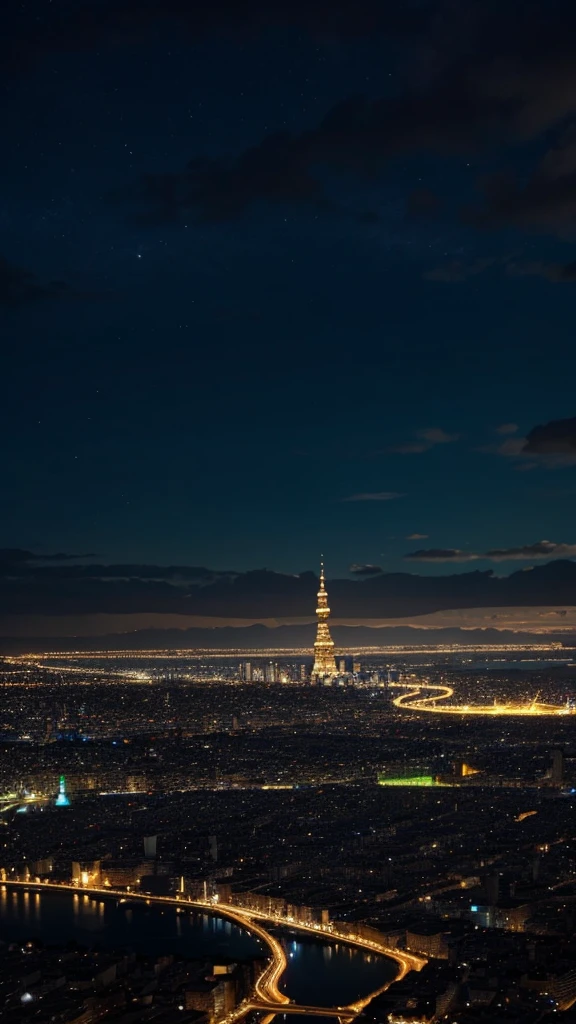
(359, 135)
(542, 549)
(507, 428)
(435, 435)
(274, 171)
(555, 438)
(417, 536)
(365, 570)
(20, 287)
(503, 76)
(27, 563)
(551, 445)
(67, 589)
(490, 74)
(374, 496)
(441, 555)
(546, 202)
(425, 440)
(558, 273)
(512, 447)
(20, 558)
(16, 557)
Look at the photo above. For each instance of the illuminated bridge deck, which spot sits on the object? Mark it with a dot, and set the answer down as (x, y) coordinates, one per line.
(343, 1013)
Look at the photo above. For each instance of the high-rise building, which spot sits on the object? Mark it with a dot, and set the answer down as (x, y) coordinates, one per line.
(492, 888)
(150, 847)
(557, 768)
(324, 661)
(86, 872)
(271, 672)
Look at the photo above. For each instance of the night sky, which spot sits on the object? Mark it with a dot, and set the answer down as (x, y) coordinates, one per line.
(277, 282)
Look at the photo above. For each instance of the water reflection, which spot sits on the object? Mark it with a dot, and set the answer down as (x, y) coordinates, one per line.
(59, 917)
(317, 973)
(322, 975)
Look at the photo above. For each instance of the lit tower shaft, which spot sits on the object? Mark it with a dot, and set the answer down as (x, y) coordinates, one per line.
(324, 661)
(62, 798)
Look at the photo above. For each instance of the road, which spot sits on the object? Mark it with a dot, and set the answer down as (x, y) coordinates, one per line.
(406, 961)
(266, 996)
(414, 700)
(342, 1012)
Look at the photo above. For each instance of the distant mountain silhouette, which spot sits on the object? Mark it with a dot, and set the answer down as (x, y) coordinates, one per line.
(260, 637)
(33, 587)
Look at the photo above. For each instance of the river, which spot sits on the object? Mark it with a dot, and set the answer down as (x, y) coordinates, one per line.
(318, 973)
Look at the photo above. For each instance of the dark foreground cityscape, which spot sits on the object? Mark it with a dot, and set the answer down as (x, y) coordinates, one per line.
(181, 832)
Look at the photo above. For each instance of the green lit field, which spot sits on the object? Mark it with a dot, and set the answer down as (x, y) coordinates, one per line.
(408, 780)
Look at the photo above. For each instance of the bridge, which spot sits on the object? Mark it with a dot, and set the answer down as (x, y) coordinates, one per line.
(343, 1013)
(266, 996)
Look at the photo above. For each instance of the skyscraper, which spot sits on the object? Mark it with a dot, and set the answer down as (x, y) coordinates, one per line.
(271, 672)
(150, 847)
(324, 661)
(557, 768)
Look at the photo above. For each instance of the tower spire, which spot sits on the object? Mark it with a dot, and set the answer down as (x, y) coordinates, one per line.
(324, 662)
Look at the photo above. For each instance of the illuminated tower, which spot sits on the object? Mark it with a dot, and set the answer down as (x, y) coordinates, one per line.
(62, 798)
(324, 661)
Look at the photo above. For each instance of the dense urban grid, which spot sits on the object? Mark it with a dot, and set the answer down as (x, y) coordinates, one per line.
(318, 802)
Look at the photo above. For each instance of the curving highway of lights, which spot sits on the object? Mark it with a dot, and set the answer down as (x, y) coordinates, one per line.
(415, 700)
